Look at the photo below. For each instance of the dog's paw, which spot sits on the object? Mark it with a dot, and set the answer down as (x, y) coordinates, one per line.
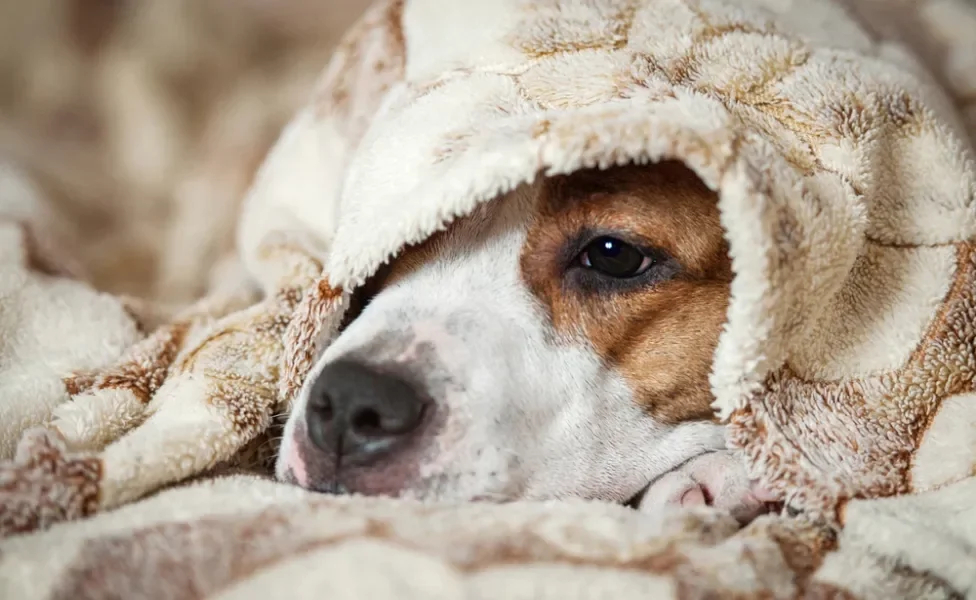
(717, 479)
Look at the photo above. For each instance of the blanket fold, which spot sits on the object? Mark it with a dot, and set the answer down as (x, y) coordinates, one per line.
(243, 537)
(838, 137)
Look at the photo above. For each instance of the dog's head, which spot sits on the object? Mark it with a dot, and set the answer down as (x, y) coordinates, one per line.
(555, 343)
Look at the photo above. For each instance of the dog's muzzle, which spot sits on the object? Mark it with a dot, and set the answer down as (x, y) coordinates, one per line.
(360, 415)
(367, 427)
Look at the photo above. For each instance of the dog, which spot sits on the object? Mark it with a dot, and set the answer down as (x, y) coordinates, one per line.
(556, 343)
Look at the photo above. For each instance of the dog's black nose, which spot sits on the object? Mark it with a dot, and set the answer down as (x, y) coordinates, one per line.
(360, 413)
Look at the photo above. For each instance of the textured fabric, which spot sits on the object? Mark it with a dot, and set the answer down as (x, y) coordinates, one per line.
(244, 537)
(837, 136)
(50, 322)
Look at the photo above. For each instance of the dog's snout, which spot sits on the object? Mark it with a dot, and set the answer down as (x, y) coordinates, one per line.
(359, 413)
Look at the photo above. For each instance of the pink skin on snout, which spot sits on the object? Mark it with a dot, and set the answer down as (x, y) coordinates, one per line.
(296, 465)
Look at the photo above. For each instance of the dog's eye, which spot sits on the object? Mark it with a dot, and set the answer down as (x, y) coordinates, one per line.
(614, 258)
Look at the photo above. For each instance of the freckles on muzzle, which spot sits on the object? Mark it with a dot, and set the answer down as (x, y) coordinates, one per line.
(365, 429)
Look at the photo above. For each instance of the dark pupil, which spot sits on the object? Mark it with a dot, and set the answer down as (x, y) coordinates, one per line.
(613, 257)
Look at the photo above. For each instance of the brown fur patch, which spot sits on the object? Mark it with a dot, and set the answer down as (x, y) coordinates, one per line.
(409, 260)
(660, 337)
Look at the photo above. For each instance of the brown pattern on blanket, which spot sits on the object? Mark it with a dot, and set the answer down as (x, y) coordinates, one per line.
(463, 551)
(223, 551)
(369, 61)
(68, 485)
(141, 371)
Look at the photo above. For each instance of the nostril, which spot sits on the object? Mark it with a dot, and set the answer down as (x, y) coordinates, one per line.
(382, 421)
(360, 412)
(367, 422)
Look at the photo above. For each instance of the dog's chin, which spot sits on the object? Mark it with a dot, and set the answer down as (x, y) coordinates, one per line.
(297, 466)
(338, 487)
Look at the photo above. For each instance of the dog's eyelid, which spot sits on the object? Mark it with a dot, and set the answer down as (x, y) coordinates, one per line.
(586, 281)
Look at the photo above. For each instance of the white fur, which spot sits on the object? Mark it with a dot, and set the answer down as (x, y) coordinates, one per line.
(540, 415)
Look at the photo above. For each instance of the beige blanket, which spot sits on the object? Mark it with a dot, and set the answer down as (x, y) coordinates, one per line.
(248, 538)
(840, 144)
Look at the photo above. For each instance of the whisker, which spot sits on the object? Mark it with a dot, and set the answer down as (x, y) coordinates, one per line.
(269, 443)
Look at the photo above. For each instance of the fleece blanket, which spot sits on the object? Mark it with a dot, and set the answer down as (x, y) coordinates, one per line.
(838, 138)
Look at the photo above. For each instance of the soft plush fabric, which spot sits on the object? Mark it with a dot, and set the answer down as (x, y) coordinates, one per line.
(837, 136)
(142, 121)
(50, 323)
(242, 537)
